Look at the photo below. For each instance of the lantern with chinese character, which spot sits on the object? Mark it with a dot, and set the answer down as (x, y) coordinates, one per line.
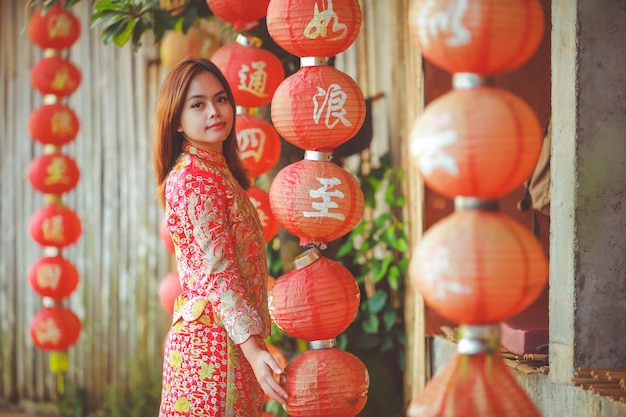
(169, 289)
(479, 36)
(55, 75)
(56, 28)
(318, 108)
(241, 13)
(253, 73)
(53, 124)
(316, 200)
(53, 276)
(326, 382)
(196, 43)
(314, 28)
(317, 300)
(478, 267)
(53, 173)
(55, 225)
(464, 141)
(259, 144)
(55, 328)
(261, 201)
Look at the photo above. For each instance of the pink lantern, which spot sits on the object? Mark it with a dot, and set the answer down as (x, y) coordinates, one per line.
(169, 289)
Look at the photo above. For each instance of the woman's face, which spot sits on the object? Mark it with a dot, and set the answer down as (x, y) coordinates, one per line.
(207, 117)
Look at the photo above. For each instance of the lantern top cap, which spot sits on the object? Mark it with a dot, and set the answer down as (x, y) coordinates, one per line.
(306, 258)
(478, 339)
(474, 203)
(248, 40)
(466, 80)
(322, 344)
(313, 61)
(318, 156)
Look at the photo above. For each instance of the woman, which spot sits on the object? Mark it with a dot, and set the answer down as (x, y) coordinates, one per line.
(215, 360)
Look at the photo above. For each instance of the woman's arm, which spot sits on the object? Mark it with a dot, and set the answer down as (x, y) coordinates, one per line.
(264, 366)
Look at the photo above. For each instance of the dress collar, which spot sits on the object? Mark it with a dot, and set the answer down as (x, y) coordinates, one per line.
(214, 157)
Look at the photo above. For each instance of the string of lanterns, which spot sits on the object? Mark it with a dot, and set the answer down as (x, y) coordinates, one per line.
(55, 327)
(476, 267)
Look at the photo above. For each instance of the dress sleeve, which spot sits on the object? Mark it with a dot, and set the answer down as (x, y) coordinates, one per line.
(204, 201)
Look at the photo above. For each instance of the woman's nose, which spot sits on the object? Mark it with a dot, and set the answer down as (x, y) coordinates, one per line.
(213, 111)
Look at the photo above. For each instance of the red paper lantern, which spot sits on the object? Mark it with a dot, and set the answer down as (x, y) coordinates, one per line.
(53, 276)
(479, 267)
(55, 328)
(253, 73)
(261, 201)
(317, 201)
(259, 144)
(57, 28)
(481, 142)
(315, 301)
(196, 43)
(318, 108)
(326, 382)
(55, 225)
(480, 36)
(54, 173)
(165, 236)
(239, 12)
(473, 385)
(169, 289)
(55, 75)
(321, 28)
(53, 124)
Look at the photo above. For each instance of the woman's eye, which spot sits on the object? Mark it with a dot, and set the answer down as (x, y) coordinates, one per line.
(222, 99)
(196, 105)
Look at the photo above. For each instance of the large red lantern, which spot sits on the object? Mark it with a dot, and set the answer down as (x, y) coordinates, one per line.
(253, 73)
(55, 328)
(55, 225)
(481, 142)
(314, 27)
(196, 43)
(318, 108)
(53, 173)
(169, 290)
(326, 382)
(53, 124)
(56, 28)
(239, 12)
(261, 201)
(259, 144)
(479, 267)
(315, 301)
(53, 276)
(316, 200)
(479, 36)
(55, 75)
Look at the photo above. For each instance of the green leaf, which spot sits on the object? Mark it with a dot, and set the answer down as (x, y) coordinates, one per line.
(389, 318)
(377, 303)
(392, 277)
(381, 220)
(122, 38)
(371, 324)
(382, 268)
(387, 344)
(345, 249)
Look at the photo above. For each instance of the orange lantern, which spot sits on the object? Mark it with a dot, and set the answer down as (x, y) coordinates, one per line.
(478, 267)
(315, 301)
(55, 225)
(476, 382)
(239, 12)
(314, 27)
(318, 108)
(253, 73)
(53, 173)
(53, 124)
(55, 75)
(261, 201)
(56, 28)
(165, 236)
(259, 144)
(53, 276)
(326, 382)
(196, 43)
(316, 200)
(169, 289)
(480, 36)
(482, 142)
(55, 328)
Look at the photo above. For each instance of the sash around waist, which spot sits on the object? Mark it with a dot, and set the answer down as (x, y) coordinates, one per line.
(191, 308)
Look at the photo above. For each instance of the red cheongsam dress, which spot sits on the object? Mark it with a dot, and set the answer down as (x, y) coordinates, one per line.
(220, 253)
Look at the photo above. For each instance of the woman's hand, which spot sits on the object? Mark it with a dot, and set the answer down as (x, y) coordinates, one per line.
(264, 366)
